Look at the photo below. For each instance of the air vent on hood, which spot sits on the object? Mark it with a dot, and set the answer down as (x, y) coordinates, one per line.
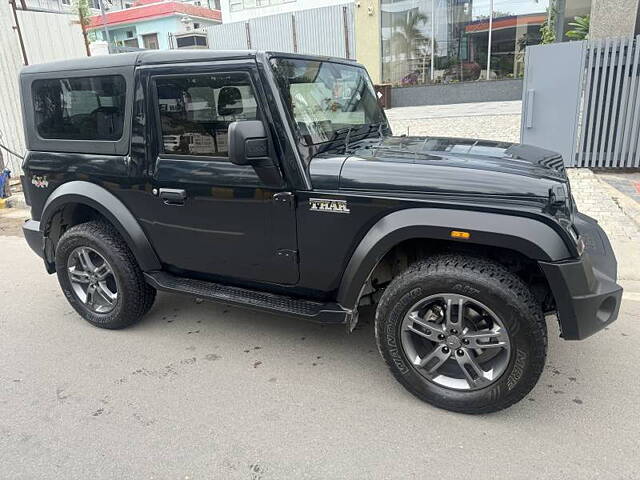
(544, 158)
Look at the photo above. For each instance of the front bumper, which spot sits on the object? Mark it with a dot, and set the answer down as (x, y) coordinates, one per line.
(585, 290)
(34, 237)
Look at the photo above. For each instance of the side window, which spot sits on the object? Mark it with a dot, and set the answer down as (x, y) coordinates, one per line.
(83, 108)
(195, 111)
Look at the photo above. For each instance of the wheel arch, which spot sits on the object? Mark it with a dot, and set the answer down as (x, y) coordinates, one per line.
(77, 197)
(527, 237)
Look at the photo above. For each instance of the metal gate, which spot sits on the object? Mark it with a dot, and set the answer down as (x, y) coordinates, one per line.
(582, 99)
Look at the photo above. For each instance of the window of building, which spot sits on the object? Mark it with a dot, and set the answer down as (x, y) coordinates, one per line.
(444, 41)
(129, 42)
(150, 41)
(66, 2)
(86, 108)
(196, 25)
(195, 111)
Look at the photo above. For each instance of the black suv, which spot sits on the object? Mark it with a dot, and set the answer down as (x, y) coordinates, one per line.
(272, 181)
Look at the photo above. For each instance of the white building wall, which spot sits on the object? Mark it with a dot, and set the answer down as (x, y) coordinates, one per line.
(277, 6)
(47, 37)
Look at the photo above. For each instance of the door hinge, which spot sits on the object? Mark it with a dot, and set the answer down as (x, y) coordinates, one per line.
(288, 255)
(285, 198)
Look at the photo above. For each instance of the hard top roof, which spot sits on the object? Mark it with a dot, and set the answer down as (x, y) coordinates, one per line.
(149, 57)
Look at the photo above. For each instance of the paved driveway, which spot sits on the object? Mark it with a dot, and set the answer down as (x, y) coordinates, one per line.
(204, 391)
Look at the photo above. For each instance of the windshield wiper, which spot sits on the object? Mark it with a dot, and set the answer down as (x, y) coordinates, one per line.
(336, 134)
(379, 126)
(349, 131)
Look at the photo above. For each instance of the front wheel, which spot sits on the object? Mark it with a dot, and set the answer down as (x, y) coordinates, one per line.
(462, 333)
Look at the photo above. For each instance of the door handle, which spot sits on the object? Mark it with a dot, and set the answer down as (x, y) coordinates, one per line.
(172, 196)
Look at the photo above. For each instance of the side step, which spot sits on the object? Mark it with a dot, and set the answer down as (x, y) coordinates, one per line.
(257, 300)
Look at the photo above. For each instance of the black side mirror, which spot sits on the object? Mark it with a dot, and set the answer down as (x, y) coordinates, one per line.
(249, 145)
(248, 142)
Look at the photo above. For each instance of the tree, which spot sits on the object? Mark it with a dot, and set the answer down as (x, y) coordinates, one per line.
(409, 39)
(84, 12)
(548, 27)
(580, 30)
(408, 36)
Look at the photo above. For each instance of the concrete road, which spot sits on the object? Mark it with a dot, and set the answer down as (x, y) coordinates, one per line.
(204, 391)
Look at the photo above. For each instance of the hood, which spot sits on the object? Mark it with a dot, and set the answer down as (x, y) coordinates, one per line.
(442, 166)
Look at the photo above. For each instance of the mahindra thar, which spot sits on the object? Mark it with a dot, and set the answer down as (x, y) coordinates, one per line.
(272, 181)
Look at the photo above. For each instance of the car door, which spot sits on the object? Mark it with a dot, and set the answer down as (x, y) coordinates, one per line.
(211, 216)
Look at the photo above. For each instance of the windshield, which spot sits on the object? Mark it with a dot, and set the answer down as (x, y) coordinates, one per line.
(327, 98)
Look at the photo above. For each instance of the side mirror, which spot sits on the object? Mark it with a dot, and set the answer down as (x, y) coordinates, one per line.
(248, 142)
(249, 145)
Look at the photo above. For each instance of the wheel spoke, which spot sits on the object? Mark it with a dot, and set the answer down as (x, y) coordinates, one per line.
(102, 271)
(497, 338)
(91, 295)
(78, 276)
(430, 331)
(105, 293)
(472, 371)
(433, 361)
(85, 260)
(454, 322)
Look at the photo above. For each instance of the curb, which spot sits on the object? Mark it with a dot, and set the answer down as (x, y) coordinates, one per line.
(14, 201)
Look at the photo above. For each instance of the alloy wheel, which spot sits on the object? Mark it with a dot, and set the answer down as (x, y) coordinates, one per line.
(456, 341)
(92, 280)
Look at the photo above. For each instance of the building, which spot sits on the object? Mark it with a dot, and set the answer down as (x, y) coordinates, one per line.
(242, 10)
(446, 51)
(108, 5)
(156, 25)
(447, 41)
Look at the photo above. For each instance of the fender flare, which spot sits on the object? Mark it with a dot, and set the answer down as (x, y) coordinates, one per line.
(100, 199)
(532, 238)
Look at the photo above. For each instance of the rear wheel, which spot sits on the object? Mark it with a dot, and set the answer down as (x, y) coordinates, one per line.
(462, 333)
(100, 277)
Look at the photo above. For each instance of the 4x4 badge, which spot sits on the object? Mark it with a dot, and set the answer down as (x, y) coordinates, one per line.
(328, 205)
(40, 181)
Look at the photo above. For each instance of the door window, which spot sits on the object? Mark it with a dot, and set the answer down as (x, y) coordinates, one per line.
(195, 111)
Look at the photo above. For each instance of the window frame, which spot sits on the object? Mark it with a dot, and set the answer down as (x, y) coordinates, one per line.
(35, 142)
(158, 124)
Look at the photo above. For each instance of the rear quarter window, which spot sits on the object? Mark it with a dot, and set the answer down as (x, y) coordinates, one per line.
(80, 108)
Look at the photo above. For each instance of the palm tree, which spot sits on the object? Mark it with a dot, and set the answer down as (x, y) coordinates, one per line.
(407, 36)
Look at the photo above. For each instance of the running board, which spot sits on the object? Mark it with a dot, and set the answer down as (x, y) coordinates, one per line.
(314, 311)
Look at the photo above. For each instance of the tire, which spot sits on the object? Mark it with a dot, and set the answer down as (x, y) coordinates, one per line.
(133, 296)
(482, 282)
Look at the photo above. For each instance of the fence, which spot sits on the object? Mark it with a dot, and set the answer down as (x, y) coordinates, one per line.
(610, 116)
(296, 32)
(583, 100)
(47, 37)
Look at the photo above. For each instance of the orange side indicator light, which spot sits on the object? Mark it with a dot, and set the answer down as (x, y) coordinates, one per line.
(459, 234)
